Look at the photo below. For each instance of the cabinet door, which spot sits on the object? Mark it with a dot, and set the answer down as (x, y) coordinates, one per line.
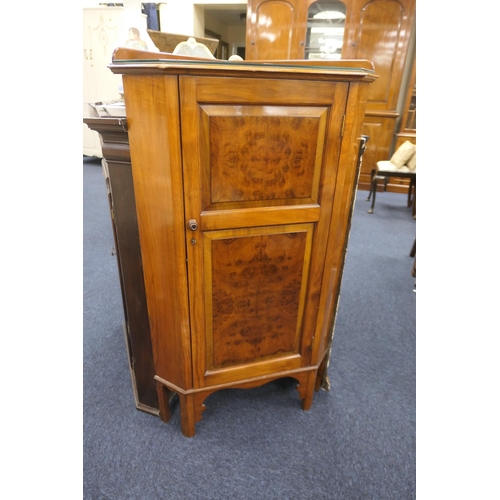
(260, 161)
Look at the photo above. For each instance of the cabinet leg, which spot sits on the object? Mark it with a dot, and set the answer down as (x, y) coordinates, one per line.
(320, 374)
(163, 401)
(305, 388)
(311, 381)
(187, 415)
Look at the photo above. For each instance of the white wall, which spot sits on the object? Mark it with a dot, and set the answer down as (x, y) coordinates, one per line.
(216, 26)
(236, 37)
(187, 17)
(177, 16)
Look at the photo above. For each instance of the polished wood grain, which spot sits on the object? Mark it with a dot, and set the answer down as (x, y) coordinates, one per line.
(380, 127)
(257, 295)
(408, 123)
(375, 30)
(276, 29)
(244, 187)
(129, 56)
(259, 215)
(258, 155)
(273, 42)
(153, 119)
(132, 62)
(379, 30)
(201, 144)
(339, 224)
(407, 131)
(192, 401)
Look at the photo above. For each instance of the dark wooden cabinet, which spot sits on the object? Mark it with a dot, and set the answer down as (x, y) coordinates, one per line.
(117, 171)
(244, 177)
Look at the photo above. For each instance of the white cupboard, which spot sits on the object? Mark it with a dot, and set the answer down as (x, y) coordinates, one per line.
(102, 30)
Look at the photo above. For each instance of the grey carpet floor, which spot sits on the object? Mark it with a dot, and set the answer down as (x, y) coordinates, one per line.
(357, 441)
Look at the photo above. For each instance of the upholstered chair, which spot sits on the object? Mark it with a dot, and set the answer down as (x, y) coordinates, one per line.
(403, 164)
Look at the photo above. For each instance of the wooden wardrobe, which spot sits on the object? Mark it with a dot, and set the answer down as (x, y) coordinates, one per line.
(377, 30)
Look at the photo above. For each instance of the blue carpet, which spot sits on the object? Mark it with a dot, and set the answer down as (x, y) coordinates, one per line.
(356, 442)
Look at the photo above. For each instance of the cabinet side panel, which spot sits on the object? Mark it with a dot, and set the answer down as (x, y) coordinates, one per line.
(153, 119)
(343, 205)
(132, 281)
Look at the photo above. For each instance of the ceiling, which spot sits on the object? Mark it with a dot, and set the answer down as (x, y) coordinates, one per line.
(232, 15)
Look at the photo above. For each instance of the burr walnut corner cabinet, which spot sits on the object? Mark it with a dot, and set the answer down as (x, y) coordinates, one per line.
(244, 176)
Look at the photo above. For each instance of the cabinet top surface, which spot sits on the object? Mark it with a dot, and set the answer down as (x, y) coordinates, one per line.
(129, 61)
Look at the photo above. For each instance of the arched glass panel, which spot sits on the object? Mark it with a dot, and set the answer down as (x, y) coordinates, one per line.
(325, 30)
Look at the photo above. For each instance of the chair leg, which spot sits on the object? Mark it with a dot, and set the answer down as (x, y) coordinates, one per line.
(372, 175)
(374, 191)
(414, 203)
(410, 190)
(413, 250)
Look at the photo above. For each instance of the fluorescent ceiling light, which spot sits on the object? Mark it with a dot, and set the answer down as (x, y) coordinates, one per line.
(329, 14)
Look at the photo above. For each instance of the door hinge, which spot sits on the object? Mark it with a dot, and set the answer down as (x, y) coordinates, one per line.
(343, 126)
